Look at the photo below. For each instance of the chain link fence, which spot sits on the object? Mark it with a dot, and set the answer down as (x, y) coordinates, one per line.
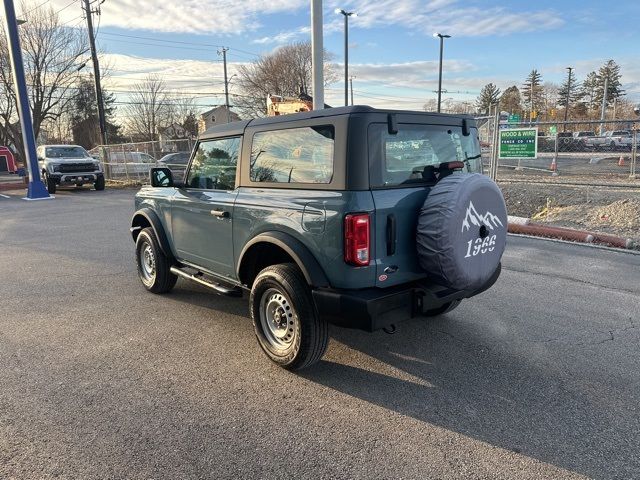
(589, 152)
(131, 162)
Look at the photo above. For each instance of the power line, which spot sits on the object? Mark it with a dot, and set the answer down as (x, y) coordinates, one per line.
(201, 44)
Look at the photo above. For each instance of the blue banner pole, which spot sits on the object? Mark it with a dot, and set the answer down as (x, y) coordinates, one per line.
(36, 190)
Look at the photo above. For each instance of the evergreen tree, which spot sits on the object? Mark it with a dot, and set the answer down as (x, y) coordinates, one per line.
(511, 100)
(611, 71)
(570, 87)
(85, 123)
(532, 90)
(588, 90)
(488, 96)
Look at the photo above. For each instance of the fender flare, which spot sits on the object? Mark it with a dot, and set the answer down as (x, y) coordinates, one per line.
(309, 266)
(152, 218)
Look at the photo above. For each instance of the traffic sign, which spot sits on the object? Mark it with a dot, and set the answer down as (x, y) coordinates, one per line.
(514, 118)
(553, 130)
(518, 143)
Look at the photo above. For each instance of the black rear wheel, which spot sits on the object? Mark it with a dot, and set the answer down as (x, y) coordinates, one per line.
(286, 323)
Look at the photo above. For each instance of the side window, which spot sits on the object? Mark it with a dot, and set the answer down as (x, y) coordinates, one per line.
(214, 164)
(295, 155)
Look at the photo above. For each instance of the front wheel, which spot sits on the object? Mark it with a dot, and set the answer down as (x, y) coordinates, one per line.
(50, 183)
(285, 320)
(153, 265)
(99, 185)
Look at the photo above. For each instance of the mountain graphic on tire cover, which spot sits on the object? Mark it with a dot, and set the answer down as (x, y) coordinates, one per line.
(474, 218)
(458, 246)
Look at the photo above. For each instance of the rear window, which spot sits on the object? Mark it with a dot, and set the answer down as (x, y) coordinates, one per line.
(621, 133)
(294, 155)
(409, 156)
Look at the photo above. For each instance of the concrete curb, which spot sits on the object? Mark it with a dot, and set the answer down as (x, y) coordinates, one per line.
(539, 230)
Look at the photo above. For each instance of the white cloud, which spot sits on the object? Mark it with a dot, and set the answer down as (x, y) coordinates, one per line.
(451, 16)
(229, 17)
(186, 16)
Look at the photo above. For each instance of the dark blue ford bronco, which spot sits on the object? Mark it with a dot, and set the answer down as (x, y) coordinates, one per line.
(354, 216)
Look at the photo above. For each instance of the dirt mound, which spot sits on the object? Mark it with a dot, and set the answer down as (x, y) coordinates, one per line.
(614, 211)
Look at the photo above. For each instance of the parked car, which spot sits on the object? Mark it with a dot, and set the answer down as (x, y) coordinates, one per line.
(130, 163)
(177, 163)
(62, 165)
(352, 215)
(611, 140)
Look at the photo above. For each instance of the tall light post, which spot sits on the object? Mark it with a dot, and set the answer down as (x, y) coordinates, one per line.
(317, 74)
(566, 106)
(442, 36)
(36, 189)
(346, 14)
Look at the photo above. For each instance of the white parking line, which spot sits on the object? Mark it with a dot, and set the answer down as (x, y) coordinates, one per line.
(4, 196)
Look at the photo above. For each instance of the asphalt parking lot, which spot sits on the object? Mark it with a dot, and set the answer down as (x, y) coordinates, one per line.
(536, 378)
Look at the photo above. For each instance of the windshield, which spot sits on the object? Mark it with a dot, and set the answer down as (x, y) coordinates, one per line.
(408, 156)
(66, 152)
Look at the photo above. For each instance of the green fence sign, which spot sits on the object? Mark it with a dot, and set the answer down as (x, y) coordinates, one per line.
(514, 118)
(518, 143)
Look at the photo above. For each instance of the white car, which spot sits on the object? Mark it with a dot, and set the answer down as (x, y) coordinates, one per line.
(68, 165)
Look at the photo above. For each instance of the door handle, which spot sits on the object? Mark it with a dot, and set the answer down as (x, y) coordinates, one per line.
(220, 213)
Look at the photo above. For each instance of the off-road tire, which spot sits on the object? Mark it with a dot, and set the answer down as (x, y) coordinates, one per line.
(50, 183)
(99, 184)
(162, 280)
(284, 285)
(446, 308)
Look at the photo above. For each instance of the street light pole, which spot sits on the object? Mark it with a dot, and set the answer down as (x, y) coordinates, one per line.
(442, 37)
(317, 51)
(346, 14)
(566, 106)
(36, 189)
(351, 87)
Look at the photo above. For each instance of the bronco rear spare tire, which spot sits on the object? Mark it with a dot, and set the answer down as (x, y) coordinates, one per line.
(462, 231)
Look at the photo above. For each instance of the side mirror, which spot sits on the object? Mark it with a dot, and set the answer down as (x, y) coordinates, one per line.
(161, 177)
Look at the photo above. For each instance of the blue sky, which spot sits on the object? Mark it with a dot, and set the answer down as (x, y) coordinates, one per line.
(392, 52)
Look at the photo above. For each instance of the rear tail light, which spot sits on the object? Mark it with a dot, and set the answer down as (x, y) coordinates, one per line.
(356, 239)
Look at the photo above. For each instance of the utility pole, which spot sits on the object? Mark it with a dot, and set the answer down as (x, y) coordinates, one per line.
(351, 85)
(96, 70)
(605, 94)
(223, 52)
(566, 106)
(317, 52)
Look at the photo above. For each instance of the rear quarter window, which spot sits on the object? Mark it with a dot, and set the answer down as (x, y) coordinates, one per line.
(294, 155)
(409, 156)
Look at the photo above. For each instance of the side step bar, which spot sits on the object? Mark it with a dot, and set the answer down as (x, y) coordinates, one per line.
(229, 291)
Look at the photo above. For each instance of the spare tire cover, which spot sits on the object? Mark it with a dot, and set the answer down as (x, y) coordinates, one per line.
(462, 231)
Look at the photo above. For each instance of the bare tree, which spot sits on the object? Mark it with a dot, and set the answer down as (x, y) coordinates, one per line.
(51, 54)
(149, 109)
(285, 72)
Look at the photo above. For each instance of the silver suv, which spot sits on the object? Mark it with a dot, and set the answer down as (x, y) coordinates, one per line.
(68, 165)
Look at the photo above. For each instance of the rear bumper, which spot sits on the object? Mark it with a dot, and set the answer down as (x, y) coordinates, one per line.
(375, 308)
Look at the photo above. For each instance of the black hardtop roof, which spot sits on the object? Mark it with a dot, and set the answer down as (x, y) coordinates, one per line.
(237, 128)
